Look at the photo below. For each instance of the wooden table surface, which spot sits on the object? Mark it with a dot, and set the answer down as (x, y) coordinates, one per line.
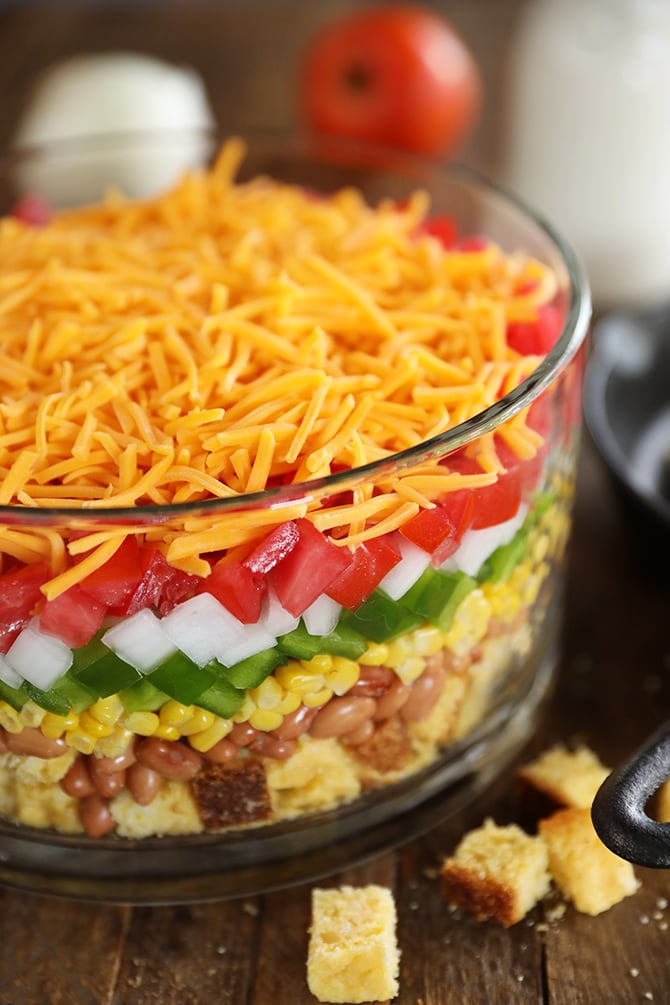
(613, 687)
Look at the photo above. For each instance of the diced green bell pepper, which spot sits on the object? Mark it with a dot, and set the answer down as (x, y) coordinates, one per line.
(14, 696)
(342, 641)
(436, 595)
(222, 699)
(181, 678)
(501, 562)
(105, 673)
(380, 618)
(67, 693)
(249, 672)
(143, 696)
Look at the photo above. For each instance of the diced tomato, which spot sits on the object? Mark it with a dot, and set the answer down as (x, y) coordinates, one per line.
(443, 227)
(474, 243)
(529, 470)
(115, 582)
(274, 548)
(439, 530)
(371, 560)
(497, 502)
(33, 210)
(536, 338)
(162, 586)
(20, 591)
(238, 588)
(309, 568)
(74, 617)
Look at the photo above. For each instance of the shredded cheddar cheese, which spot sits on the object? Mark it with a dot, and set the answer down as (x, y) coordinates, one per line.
(226, 337)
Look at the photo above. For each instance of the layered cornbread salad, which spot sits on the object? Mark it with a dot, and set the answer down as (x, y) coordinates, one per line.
(235, 586)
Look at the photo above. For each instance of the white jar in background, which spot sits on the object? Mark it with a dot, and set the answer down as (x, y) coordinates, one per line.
(587, 137)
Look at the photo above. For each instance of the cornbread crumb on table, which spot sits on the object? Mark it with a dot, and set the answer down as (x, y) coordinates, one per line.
(498, 873)
(585, 871)
(567, 777)
(353, 953)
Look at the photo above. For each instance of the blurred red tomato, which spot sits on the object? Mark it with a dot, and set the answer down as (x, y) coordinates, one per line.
(396, 74)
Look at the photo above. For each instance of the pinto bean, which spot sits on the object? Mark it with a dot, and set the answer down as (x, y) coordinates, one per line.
(109, 783)
(3, 741)
(78, 782)
(360, 735)
(143, 783)
(110, 765)
(170, 758)
(242, 734)
(270, 746)
(33, 743)
(296, 723)
(390, 703)
(424, 695)
(221, 752)
(95, 815)
(373, 682)
(342, 715)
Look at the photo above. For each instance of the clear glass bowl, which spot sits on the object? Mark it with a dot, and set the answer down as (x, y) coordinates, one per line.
(431, 684)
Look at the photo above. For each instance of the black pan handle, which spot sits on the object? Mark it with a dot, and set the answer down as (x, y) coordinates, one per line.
(619, 808)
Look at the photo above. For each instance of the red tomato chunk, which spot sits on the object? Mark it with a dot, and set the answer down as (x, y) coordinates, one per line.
(20, 591)
(73, 617)
(370, 563)
(238, 588)
(308, 569)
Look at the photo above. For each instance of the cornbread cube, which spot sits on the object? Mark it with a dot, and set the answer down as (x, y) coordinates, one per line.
(663, 803)
(585, 871)
(567, 777)
(353, 954)
(497, 873)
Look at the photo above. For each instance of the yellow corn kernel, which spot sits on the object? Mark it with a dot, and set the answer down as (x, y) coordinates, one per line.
(10, 719)
(411, 669)
(208, 738)
(470, 623)
(246, 711)
(314, 699)
(428, 640)
(78, 740)
(266, 719)
(114, 744)
(144, 723)
(54, 726)
(173, 713)
(293, 677)
(343, 675)
(107, 710)
(289, 703)
(399, 650)
(268, 694)
(200, 719)
(375, 655)
(93, 726)
(166, 732)
(318, 664)
(32, 714)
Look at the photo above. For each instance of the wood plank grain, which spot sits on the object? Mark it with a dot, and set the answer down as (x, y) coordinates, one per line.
(189, 955)
(57, 952)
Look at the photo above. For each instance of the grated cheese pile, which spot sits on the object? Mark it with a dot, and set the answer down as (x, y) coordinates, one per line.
(225, 337)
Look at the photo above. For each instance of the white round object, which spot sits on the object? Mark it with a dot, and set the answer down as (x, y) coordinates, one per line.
(113, 95)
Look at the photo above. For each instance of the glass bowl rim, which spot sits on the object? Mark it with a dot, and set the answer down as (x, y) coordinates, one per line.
(566, 347)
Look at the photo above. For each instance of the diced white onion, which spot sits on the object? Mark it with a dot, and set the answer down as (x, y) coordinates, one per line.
(40, 659)
(255, 639)
(477, 545)
(140, 640)
(9, 676)
(274, 618)
(404, 575)
(203, 629)
(322, 615)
